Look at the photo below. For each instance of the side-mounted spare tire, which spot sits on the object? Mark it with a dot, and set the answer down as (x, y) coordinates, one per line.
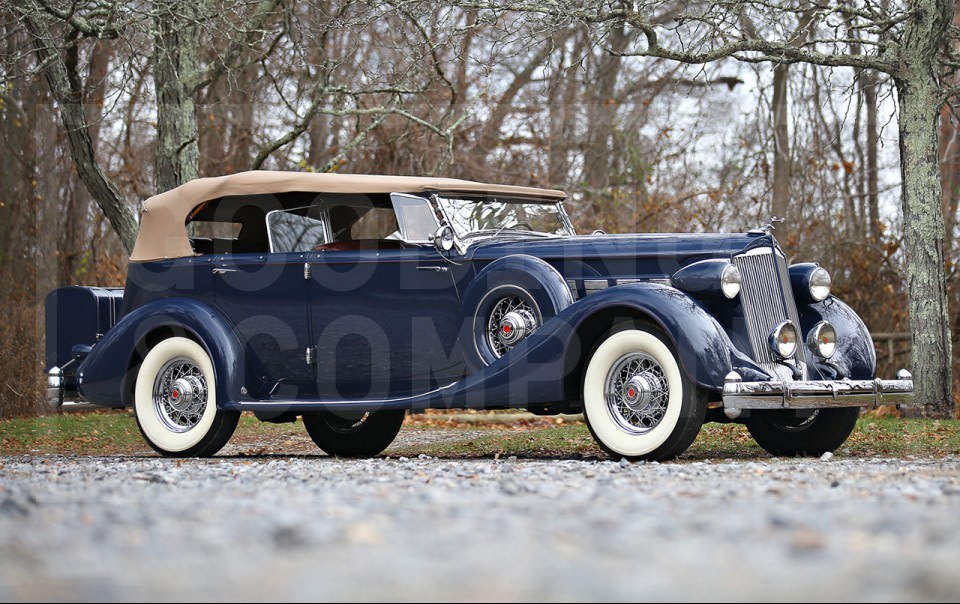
(507, 301)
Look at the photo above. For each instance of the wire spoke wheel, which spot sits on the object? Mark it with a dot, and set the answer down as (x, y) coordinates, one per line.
(637, 400)
(180, 395)
(511, 320)
(637, 392)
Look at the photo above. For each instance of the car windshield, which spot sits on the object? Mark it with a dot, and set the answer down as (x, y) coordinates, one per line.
(493, 216)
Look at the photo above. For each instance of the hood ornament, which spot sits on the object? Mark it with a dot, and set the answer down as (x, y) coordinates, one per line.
(768, 227)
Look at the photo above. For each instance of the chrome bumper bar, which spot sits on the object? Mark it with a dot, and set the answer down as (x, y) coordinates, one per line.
(776, 394)
(55, 388)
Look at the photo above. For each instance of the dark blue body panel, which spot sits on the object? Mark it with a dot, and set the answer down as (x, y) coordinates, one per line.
(619, 256)
(106, 375)
(389, 327)
(384, 323)
(265, 298)
(533, 372)
(78, 315)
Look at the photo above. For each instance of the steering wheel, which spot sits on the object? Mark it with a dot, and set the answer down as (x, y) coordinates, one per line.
(523, 224)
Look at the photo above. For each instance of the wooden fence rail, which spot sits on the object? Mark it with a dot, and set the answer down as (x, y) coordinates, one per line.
(893, 350)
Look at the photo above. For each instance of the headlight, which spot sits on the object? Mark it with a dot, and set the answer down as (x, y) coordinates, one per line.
(822, 340)
(730, 281)
(783, 340)
(819, 284)
(714, 277)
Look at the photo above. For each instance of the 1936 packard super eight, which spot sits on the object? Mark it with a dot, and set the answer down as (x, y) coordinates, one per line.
(349, 300)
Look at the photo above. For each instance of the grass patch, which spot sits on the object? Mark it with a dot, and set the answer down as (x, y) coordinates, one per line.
(873, 437)
(104, 433)
(112, 433)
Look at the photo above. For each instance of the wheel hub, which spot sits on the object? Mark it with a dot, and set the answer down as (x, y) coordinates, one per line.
(180, 394)
(184, 391)
(638, 390)
(515, 326)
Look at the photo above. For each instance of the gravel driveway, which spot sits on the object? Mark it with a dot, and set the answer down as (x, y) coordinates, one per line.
(315, 528)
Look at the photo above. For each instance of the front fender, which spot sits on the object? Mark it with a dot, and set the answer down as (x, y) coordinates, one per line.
(534, 371)
(706, 352)
(106, 375)
(855, 357)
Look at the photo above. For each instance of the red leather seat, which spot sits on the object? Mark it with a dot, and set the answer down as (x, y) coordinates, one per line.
(361, 244)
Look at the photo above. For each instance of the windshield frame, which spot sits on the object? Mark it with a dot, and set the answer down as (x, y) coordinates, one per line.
(467, 238)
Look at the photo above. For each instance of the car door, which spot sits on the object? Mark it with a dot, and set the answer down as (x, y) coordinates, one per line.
(384, 319)
(265, 296)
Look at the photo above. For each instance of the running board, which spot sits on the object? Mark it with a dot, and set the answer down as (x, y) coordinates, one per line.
(406, 402)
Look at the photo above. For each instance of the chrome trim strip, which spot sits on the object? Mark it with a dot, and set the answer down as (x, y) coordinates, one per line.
(762, 251)
(351, 402)
(595, 285)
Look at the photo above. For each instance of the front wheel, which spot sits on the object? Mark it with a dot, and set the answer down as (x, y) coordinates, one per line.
(353, 434)
(792, 433)
(175, 401)
(638, 402)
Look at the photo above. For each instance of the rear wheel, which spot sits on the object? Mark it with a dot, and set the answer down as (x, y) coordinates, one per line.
(175, 401)
(638, 402)
(353, 434)
(791, 433)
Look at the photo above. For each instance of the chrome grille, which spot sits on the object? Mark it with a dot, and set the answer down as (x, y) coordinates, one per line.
(768, 301)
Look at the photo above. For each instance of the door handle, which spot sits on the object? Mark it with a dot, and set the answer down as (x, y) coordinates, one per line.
(220, 271)
(436, 269)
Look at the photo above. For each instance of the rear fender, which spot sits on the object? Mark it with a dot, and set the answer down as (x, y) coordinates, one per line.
(107, 374)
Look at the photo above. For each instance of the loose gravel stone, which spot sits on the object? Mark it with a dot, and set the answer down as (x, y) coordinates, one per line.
(317, 528)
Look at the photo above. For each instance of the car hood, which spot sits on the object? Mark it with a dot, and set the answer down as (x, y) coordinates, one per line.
(653, 254)
(714, 245)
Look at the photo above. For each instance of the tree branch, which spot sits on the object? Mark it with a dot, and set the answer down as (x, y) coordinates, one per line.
(252, 27)
(74, 118)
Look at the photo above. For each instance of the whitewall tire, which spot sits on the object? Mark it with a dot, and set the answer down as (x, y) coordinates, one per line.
(638, 402)
(175, 401)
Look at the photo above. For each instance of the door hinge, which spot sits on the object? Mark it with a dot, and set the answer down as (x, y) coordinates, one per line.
(306, 270)
(311, 355)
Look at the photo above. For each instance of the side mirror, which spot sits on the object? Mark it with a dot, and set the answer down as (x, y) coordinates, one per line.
(443, 238)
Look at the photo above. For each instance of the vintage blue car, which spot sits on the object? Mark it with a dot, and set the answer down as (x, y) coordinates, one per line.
(349, 300)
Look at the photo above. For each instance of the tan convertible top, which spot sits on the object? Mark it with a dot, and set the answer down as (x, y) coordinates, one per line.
(163, 232)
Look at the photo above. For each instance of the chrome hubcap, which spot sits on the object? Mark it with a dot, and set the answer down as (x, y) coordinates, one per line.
(180, 395)
(511, 320)
(636, 392)
(515, 326)
(183, 393)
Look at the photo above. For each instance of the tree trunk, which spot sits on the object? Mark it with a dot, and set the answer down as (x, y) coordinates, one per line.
(598, 153)
(74, 118)
(919, 101)
(781, 142)
(869, 83)
(176, 60)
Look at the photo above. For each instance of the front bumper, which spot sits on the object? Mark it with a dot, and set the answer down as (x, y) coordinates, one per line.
(775, 394)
